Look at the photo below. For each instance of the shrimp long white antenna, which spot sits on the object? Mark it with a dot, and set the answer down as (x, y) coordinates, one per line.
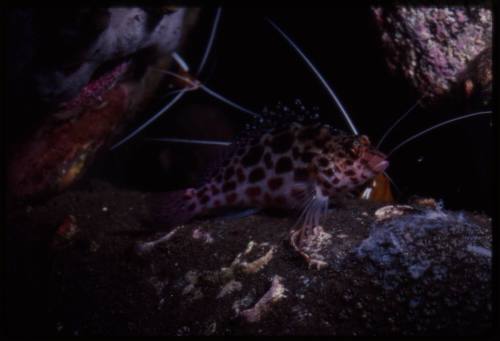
(318, 75)
(227, 101)
(181, 62)
(195, 85)
(409, 111)
(210, 40)
(411, 138)
(150, 120)
(393, 183)
(189, 141)
(175, 99)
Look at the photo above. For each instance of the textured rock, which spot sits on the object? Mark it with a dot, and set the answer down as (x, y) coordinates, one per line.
(92, 100)
(433, 45)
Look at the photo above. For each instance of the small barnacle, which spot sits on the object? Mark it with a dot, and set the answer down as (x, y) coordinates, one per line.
(273, 295)
(143, 248)
(468, 87)
(199, 234)
(391, 211)
(229, 288)
(426, 202)
(259, 263)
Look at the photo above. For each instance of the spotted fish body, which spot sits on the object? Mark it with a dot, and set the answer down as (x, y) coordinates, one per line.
(289, 167)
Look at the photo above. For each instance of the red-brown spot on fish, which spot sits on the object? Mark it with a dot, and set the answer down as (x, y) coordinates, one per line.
(274, 183)
(268, 160)
(301, 174)
(231, 198)
(215, 190)
(253, 191)
(267, 199)
(298, 193)
(283, 165)
(253, 156)
(229, 186)
(240, 174)
(282, 143)
(307, 157)
(280, 200)
(328, 172)
(201, 192)
(326, 184)
(323, 162)
(256, 174)
(350, 173)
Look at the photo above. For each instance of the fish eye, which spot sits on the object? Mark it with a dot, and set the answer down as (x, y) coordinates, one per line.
(354, 148)
(364, 140)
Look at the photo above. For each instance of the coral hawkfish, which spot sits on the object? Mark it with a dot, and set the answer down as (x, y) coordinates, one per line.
(294, 166)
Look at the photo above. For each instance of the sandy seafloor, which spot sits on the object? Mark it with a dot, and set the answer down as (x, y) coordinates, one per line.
(427, 273)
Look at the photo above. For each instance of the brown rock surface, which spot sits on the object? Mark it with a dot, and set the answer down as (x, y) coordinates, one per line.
(426, 271)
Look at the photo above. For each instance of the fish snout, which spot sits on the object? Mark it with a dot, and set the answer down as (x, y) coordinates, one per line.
(377, 162)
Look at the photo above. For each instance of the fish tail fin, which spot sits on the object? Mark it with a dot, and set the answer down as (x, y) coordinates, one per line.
(170, 209)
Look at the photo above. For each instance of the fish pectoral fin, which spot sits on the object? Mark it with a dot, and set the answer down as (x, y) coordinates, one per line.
(237, 213)
(304, 239)
(313, 211)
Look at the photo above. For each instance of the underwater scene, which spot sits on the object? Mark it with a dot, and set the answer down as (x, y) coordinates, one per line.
(179, 171)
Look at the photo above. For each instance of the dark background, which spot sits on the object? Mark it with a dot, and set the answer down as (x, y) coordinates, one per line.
(254, 66)
(251, 64)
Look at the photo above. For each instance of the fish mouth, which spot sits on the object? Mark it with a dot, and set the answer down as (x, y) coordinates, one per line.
(381, 166)
(378, 162)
